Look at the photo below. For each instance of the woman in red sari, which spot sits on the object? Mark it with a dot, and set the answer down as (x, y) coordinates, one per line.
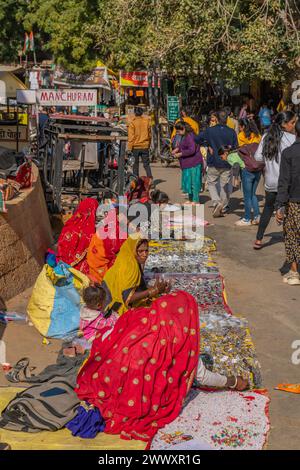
(141, 191)
(140, 374)
(76, 235)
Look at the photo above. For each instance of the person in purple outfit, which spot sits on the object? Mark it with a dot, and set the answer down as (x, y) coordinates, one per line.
(191, 162)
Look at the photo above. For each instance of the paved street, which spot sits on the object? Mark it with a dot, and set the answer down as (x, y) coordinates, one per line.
(255, 290)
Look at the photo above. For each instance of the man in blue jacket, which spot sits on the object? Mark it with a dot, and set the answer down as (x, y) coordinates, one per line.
(218, 171)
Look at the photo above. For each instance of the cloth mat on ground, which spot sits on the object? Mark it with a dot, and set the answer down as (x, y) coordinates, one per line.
(226, 420)
(59, 440)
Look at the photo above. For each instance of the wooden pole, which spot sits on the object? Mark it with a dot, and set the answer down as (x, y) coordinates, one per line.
(17, 130)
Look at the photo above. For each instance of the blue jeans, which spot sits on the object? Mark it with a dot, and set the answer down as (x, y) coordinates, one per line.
(250, 182)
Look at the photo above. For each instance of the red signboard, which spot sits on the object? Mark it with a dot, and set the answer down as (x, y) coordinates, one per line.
(135, 79)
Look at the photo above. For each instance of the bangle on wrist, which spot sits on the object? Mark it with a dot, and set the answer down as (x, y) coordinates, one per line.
(232, 387)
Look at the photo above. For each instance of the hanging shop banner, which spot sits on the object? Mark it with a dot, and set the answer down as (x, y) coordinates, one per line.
(9, 133)
(173, 108)
(98, 78)
(135, 79)
(66, 97)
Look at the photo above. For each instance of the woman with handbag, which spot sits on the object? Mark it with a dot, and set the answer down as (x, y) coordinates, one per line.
(280, 136)
(242, 162)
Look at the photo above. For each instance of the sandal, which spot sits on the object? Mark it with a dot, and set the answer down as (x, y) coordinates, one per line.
(14, 374)
(257, 246)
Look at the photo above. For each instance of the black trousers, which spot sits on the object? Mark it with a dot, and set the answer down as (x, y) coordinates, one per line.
(144, 154)
(267, 214)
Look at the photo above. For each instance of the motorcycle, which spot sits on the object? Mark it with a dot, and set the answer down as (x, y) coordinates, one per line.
(166, 156)
(130, 179)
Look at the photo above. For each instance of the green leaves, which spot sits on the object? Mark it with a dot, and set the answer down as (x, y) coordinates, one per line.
(232, 39)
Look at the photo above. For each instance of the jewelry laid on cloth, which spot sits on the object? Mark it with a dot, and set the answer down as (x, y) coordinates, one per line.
(241, 421)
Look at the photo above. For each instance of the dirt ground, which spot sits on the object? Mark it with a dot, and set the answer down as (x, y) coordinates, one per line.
(255, 290)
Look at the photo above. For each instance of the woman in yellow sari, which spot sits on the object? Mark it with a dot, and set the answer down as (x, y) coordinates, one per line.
(124, 282)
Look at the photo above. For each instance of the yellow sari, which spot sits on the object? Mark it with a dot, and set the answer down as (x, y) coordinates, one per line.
(123, 278)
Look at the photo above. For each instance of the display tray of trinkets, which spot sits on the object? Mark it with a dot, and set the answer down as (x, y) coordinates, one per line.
(226, 345)
(207, 290)
(182, 256)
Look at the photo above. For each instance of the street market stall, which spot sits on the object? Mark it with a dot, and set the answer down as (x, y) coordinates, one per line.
(78, 157)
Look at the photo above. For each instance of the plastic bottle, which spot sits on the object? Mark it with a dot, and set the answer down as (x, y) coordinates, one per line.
(6, 317)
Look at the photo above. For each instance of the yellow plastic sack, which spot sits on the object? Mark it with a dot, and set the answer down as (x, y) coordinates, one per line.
(54, 306)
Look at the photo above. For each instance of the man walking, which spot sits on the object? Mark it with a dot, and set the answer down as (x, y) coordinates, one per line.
(218, 171)
(139, 140)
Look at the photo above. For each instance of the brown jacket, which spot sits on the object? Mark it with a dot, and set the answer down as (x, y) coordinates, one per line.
(139, 133)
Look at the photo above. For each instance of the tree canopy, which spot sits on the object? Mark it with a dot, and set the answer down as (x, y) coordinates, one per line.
(232, 39)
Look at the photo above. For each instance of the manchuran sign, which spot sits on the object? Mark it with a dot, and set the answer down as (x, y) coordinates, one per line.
(66, 97)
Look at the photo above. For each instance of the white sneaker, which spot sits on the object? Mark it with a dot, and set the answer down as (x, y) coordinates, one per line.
(294, 281)
(287, 275)
(292, 278)
(243, 223)
(256, 220)
(217, 212)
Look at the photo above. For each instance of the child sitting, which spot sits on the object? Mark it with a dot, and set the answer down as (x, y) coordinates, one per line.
(92, 320)
(233, 158)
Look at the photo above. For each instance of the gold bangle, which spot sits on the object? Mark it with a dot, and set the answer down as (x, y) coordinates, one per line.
(152, 292)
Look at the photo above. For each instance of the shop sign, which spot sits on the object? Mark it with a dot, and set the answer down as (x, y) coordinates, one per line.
(98, 78)
(135, 79)
(9, 133)
(66, 97)
(173, 108)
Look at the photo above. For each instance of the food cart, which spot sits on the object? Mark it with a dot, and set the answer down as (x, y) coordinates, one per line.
(77, 159)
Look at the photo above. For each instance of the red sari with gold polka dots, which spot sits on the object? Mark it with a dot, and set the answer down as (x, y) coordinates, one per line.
(140, 374)
(76, 236)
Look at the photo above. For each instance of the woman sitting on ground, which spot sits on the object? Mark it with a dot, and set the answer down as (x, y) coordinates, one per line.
(249, 134)
(104, 246)
(140, 375)
(140, 190)
(124, 283)
(76, 236)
